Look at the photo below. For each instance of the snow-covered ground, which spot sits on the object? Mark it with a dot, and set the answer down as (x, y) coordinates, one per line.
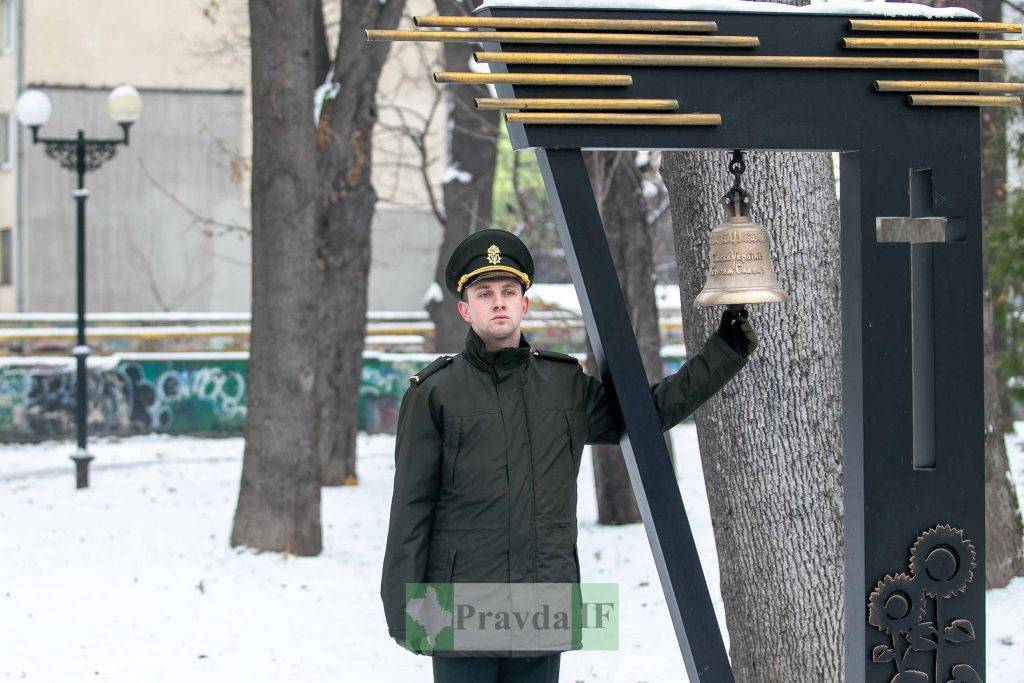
(133, 579)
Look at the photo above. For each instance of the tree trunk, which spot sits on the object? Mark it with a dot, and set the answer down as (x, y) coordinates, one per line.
(345, 208)
(616, 503)
(1003, 530)
(469, 178)
(770, 441)
(1004, 554)
(279, 496)
(618, 190)
(1004, 535)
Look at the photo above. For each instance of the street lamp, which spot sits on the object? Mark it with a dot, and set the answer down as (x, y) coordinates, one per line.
(81, 155)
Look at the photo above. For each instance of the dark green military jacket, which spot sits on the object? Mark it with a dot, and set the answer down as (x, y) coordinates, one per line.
(488, 448)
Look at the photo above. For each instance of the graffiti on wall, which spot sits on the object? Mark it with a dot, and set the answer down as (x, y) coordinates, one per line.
(37, 401)
(380, 395)
(205, 394)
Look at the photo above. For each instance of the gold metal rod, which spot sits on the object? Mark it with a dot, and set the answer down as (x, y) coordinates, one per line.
(933, 26)
(962, 101)
(547, 103)
(947, 86)
(568, 24)
(532, 79)
(564, 38)
(763, 62)
(571, 118)
(931, 44)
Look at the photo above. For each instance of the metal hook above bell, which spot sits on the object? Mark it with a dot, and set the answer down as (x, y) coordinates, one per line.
(740, 267)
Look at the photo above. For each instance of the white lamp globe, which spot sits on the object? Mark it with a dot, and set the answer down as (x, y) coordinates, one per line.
(33, 108)
(124, 104)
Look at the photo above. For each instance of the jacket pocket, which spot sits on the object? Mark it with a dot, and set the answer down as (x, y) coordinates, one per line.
(452, 432)
(576, 427)
(576, 557)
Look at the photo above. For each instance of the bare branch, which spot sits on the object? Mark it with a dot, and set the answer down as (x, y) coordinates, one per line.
(208, 224)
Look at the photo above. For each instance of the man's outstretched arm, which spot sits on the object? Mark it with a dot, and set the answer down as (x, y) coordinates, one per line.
(418, 448)
(724, 354)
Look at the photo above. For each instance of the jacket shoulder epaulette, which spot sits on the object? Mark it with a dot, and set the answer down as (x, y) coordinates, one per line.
(555, 355)
(434, 366)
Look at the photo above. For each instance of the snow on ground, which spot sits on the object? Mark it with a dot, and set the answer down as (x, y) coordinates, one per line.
(133, 579)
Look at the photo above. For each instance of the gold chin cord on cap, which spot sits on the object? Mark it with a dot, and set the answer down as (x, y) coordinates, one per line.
(486, 269)
(739, 263)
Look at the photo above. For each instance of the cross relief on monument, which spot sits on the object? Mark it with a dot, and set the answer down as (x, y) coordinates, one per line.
(922, 231)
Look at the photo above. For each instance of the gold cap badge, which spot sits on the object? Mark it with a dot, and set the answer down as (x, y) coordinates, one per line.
(493, 254)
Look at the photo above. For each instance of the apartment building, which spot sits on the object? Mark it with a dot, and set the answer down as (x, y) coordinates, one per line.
(168, 217)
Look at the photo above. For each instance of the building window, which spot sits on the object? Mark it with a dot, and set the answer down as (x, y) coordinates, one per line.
(6, 276)
(7, 25)
(5, 140)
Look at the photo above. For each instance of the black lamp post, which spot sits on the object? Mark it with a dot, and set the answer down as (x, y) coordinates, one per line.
(81, 155)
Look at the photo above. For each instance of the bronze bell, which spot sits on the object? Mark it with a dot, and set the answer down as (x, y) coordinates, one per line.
(739, 264)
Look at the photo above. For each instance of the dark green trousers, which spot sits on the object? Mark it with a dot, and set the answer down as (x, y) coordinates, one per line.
(542, 669)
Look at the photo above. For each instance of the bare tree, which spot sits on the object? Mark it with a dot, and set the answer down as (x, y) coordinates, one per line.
(468, 179)
(193, 277)
(618, 182)
(345, 206)
(279, 496)
(414, 127)
(771, 444)
(521, 207)
(528, 214)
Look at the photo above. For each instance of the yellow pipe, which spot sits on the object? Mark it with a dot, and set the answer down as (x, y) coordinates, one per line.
(737, 61)
(947, 86)
(580, 118)
(931, 44)
(533, 79)
(568, 24)
(542, 103)
(962, 101)
(933, 26)
(564, 38)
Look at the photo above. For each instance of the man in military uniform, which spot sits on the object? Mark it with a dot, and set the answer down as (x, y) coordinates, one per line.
(489, 446)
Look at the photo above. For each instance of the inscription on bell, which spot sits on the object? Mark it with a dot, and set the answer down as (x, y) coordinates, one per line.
(738, 256)
(736, 237)
(739, 269)
(736, 263)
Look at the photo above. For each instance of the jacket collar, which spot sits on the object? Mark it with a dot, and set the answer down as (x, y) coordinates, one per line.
(501, 362)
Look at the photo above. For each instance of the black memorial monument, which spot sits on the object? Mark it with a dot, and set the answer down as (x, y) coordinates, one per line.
(898, 98)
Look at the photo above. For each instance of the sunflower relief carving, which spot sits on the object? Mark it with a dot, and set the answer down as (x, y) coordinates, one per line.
(941, 565)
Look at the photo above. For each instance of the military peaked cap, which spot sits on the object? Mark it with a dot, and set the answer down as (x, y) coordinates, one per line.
(490, 252)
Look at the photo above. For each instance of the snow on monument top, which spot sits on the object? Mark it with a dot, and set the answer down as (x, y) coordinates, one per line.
(871, 8)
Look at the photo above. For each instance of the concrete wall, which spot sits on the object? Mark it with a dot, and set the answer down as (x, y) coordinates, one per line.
(146, 247)
(201, 45)
(405, 242)
(149, 243)
(8, 177)
(148, 44)
(159, 235)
